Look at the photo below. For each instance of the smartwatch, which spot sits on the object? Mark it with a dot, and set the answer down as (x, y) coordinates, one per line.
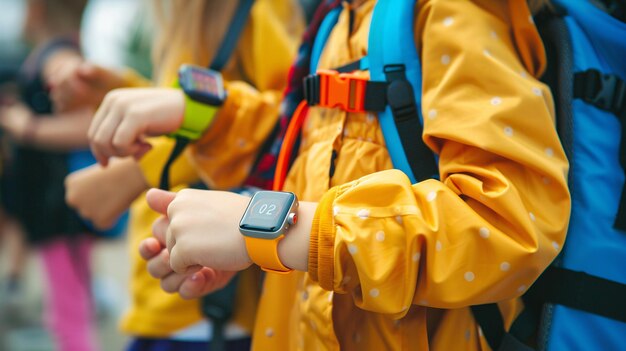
(204, 93)
(265, 222)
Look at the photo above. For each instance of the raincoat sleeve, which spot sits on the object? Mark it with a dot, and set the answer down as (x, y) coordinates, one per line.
(229, 147)
(498, 216)
(135, 80)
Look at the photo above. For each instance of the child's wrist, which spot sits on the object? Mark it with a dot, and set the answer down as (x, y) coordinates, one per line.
(293, 250)
(29, 134)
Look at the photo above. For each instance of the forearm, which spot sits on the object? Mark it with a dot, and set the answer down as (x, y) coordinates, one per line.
(62, 132)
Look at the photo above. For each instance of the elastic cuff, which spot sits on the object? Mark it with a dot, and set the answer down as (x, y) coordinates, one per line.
(322, 244)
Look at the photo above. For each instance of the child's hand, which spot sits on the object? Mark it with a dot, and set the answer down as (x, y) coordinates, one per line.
(78, 84)
(101, 195)
(202, 229)
(127, 116)
(17, 121)
(190, 285)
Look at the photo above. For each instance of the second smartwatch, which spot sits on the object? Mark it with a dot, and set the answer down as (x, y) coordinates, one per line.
(204, 94)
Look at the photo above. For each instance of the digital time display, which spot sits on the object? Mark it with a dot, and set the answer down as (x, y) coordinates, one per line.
(202, 84)
(267, 211)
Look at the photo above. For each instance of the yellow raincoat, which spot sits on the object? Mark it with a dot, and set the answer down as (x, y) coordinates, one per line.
(394, 265)
(255, 78)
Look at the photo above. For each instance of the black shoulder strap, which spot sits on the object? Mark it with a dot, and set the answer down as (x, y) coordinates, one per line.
(228, 45)
(581, 291)
(403, 106)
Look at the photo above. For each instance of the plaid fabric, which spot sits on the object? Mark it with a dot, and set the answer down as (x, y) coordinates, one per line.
(262, 174)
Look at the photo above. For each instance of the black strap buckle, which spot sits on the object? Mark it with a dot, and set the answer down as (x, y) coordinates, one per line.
(605, 91)
(312, 89)
(400, 93)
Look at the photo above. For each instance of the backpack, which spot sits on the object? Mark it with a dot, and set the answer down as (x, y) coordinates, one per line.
(579, 302)
(582, 297)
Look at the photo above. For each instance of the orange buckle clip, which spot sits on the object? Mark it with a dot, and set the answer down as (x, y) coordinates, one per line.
(343, 90)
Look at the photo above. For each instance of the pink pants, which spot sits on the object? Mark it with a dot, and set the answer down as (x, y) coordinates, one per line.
(69, 314)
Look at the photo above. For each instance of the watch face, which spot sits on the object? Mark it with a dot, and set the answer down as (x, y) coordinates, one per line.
(202, 84)
(267, 211)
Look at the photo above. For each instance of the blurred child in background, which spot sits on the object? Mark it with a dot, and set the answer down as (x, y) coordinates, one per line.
(33, 184)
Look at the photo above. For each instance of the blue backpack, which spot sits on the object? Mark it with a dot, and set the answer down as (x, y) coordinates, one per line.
(580, 301)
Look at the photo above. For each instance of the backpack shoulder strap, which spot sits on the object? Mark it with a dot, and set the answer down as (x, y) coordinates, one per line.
(230, 40)
(326, 27)
(393, 57)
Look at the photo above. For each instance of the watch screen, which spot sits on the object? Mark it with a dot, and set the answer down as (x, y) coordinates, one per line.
(267, 211)
(202, 81)
(202, 84)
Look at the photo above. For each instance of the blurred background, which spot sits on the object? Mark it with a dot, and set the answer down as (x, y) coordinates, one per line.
(115, 35)
(105, 40)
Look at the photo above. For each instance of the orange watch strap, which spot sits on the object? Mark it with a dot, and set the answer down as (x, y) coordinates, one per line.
(264, 253)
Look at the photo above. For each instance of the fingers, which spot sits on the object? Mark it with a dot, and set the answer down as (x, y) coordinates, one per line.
(102, 140)
(204, 282)
(131, 128)
(142, 149)
(98, 118)
(89, 71)
(159, 230)
(159, 200)
(195, 286)
(181, 263)
(149, 248)
(159, 265)
(172, 282)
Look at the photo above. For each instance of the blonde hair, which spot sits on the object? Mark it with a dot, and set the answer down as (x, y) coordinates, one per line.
(538, 5)
(188, 31)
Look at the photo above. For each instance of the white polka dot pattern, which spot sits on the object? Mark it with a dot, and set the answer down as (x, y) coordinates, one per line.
(431, 196)
(508, 131)
(484, 232)
(380, 236)
(352, 249)
(432, 114)
(363, 214)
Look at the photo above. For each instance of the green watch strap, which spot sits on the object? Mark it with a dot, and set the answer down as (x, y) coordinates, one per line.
(196, 118)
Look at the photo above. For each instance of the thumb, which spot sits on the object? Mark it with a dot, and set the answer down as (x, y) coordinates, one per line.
(159, 200)
(88, 71)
